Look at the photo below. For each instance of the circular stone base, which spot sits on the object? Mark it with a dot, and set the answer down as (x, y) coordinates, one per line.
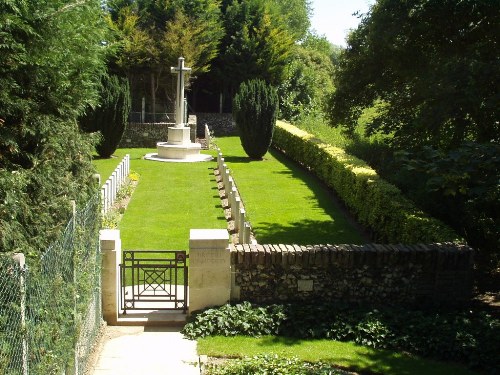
(191, 159)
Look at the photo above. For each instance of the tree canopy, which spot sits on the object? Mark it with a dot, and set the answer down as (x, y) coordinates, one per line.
(308, 79)
(432, 65)
(296, 14)
(154, 34)
(256, 45)
(52, 58)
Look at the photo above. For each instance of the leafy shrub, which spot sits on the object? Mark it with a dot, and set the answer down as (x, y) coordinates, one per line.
(392, 217)
(271, 365)
(469, 336)
(461, 186)
(240, 319)
(255, 109)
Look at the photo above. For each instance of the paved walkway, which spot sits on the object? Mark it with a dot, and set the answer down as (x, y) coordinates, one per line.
(146, 350)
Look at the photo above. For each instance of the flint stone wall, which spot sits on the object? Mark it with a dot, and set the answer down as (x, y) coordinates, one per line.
(146, 135)
(220, 123)
(372, 274)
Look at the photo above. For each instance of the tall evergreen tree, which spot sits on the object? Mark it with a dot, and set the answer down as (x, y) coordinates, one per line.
(154, 34)
(255, 109)
(110, 116)
(256, 45)
(51, 63)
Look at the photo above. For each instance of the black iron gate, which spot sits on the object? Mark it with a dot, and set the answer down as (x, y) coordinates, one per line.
(154, 280)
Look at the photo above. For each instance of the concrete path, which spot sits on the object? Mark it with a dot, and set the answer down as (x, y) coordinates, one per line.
(146, 350)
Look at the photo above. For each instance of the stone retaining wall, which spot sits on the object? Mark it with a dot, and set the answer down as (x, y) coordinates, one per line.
(146, 135)
(220, 123)
(368, 274)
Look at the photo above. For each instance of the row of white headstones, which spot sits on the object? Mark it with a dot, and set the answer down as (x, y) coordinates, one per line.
(110, 188)
(238, 213)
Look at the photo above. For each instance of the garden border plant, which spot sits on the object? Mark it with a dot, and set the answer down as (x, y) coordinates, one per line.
(465, 336)
(392, 217)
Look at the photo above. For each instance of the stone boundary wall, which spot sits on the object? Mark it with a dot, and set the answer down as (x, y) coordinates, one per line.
(220, 123)
(146, 135)
(399, 275)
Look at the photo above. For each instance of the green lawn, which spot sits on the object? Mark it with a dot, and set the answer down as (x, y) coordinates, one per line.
(346, 355)
(170, 199)
(106, 166)
(285, 203)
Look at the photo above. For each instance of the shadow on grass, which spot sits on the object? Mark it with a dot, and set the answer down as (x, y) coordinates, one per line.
(239, 159)
(363, 359)
(306, 232)
(280, 340)
(324, 198)
(316, 217)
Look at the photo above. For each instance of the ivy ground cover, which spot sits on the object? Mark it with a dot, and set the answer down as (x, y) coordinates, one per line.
(284, 202)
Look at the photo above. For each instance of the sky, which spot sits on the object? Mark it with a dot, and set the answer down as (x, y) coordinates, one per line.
(333, 18)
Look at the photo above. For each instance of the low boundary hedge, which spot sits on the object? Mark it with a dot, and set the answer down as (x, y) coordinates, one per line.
(377, 204)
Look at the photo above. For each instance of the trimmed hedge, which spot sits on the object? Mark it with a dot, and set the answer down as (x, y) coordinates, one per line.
(377, 204)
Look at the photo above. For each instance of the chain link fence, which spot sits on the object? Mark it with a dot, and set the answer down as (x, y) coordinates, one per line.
(50, 312)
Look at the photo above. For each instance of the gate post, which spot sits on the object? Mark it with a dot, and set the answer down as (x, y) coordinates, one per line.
(209, 268)
(111, 252)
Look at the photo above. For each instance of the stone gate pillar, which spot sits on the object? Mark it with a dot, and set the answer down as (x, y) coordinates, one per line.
(209, 268)
(111, 252)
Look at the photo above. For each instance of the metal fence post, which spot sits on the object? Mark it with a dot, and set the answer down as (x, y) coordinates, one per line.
(20, 260)
(75, 310)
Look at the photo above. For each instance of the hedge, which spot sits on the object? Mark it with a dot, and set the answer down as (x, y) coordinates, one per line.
(377, 204)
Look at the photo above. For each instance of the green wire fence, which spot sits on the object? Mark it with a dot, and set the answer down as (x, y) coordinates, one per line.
(50, 312)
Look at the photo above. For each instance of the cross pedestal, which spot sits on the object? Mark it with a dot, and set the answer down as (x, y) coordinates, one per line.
(179, 146)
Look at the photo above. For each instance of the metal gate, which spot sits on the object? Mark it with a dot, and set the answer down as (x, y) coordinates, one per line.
(154, 280)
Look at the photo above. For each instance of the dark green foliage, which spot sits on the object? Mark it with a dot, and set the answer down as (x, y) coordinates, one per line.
(307, 79)
(255, 109)
(461, 187)
(468, 336)
(241, 319)
(257, 42)
(435, 66)
(51, 63)
(266, 364)
(111, 116)
(152, 35)
(62, 300)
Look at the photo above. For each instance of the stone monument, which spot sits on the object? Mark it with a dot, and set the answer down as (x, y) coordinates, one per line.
(179, 147)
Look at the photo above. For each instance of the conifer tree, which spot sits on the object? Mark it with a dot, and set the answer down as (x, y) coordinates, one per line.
(255, 109)
(111, 116)
(52, 58)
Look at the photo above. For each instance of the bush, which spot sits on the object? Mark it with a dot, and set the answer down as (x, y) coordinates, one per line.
(467, 336)
(376, 204)
(241, 319)
(255, 108)
(111, 116)
(272, 365)
(461, 187)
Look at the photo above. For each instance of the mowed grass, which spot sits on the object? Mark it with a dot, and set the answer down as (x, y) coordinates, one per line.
(342, 354)
(170, 199)
(284, 202)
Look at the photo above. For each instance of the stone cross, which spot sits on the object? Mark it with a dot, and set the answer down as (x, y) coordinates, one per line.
(180, 70)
